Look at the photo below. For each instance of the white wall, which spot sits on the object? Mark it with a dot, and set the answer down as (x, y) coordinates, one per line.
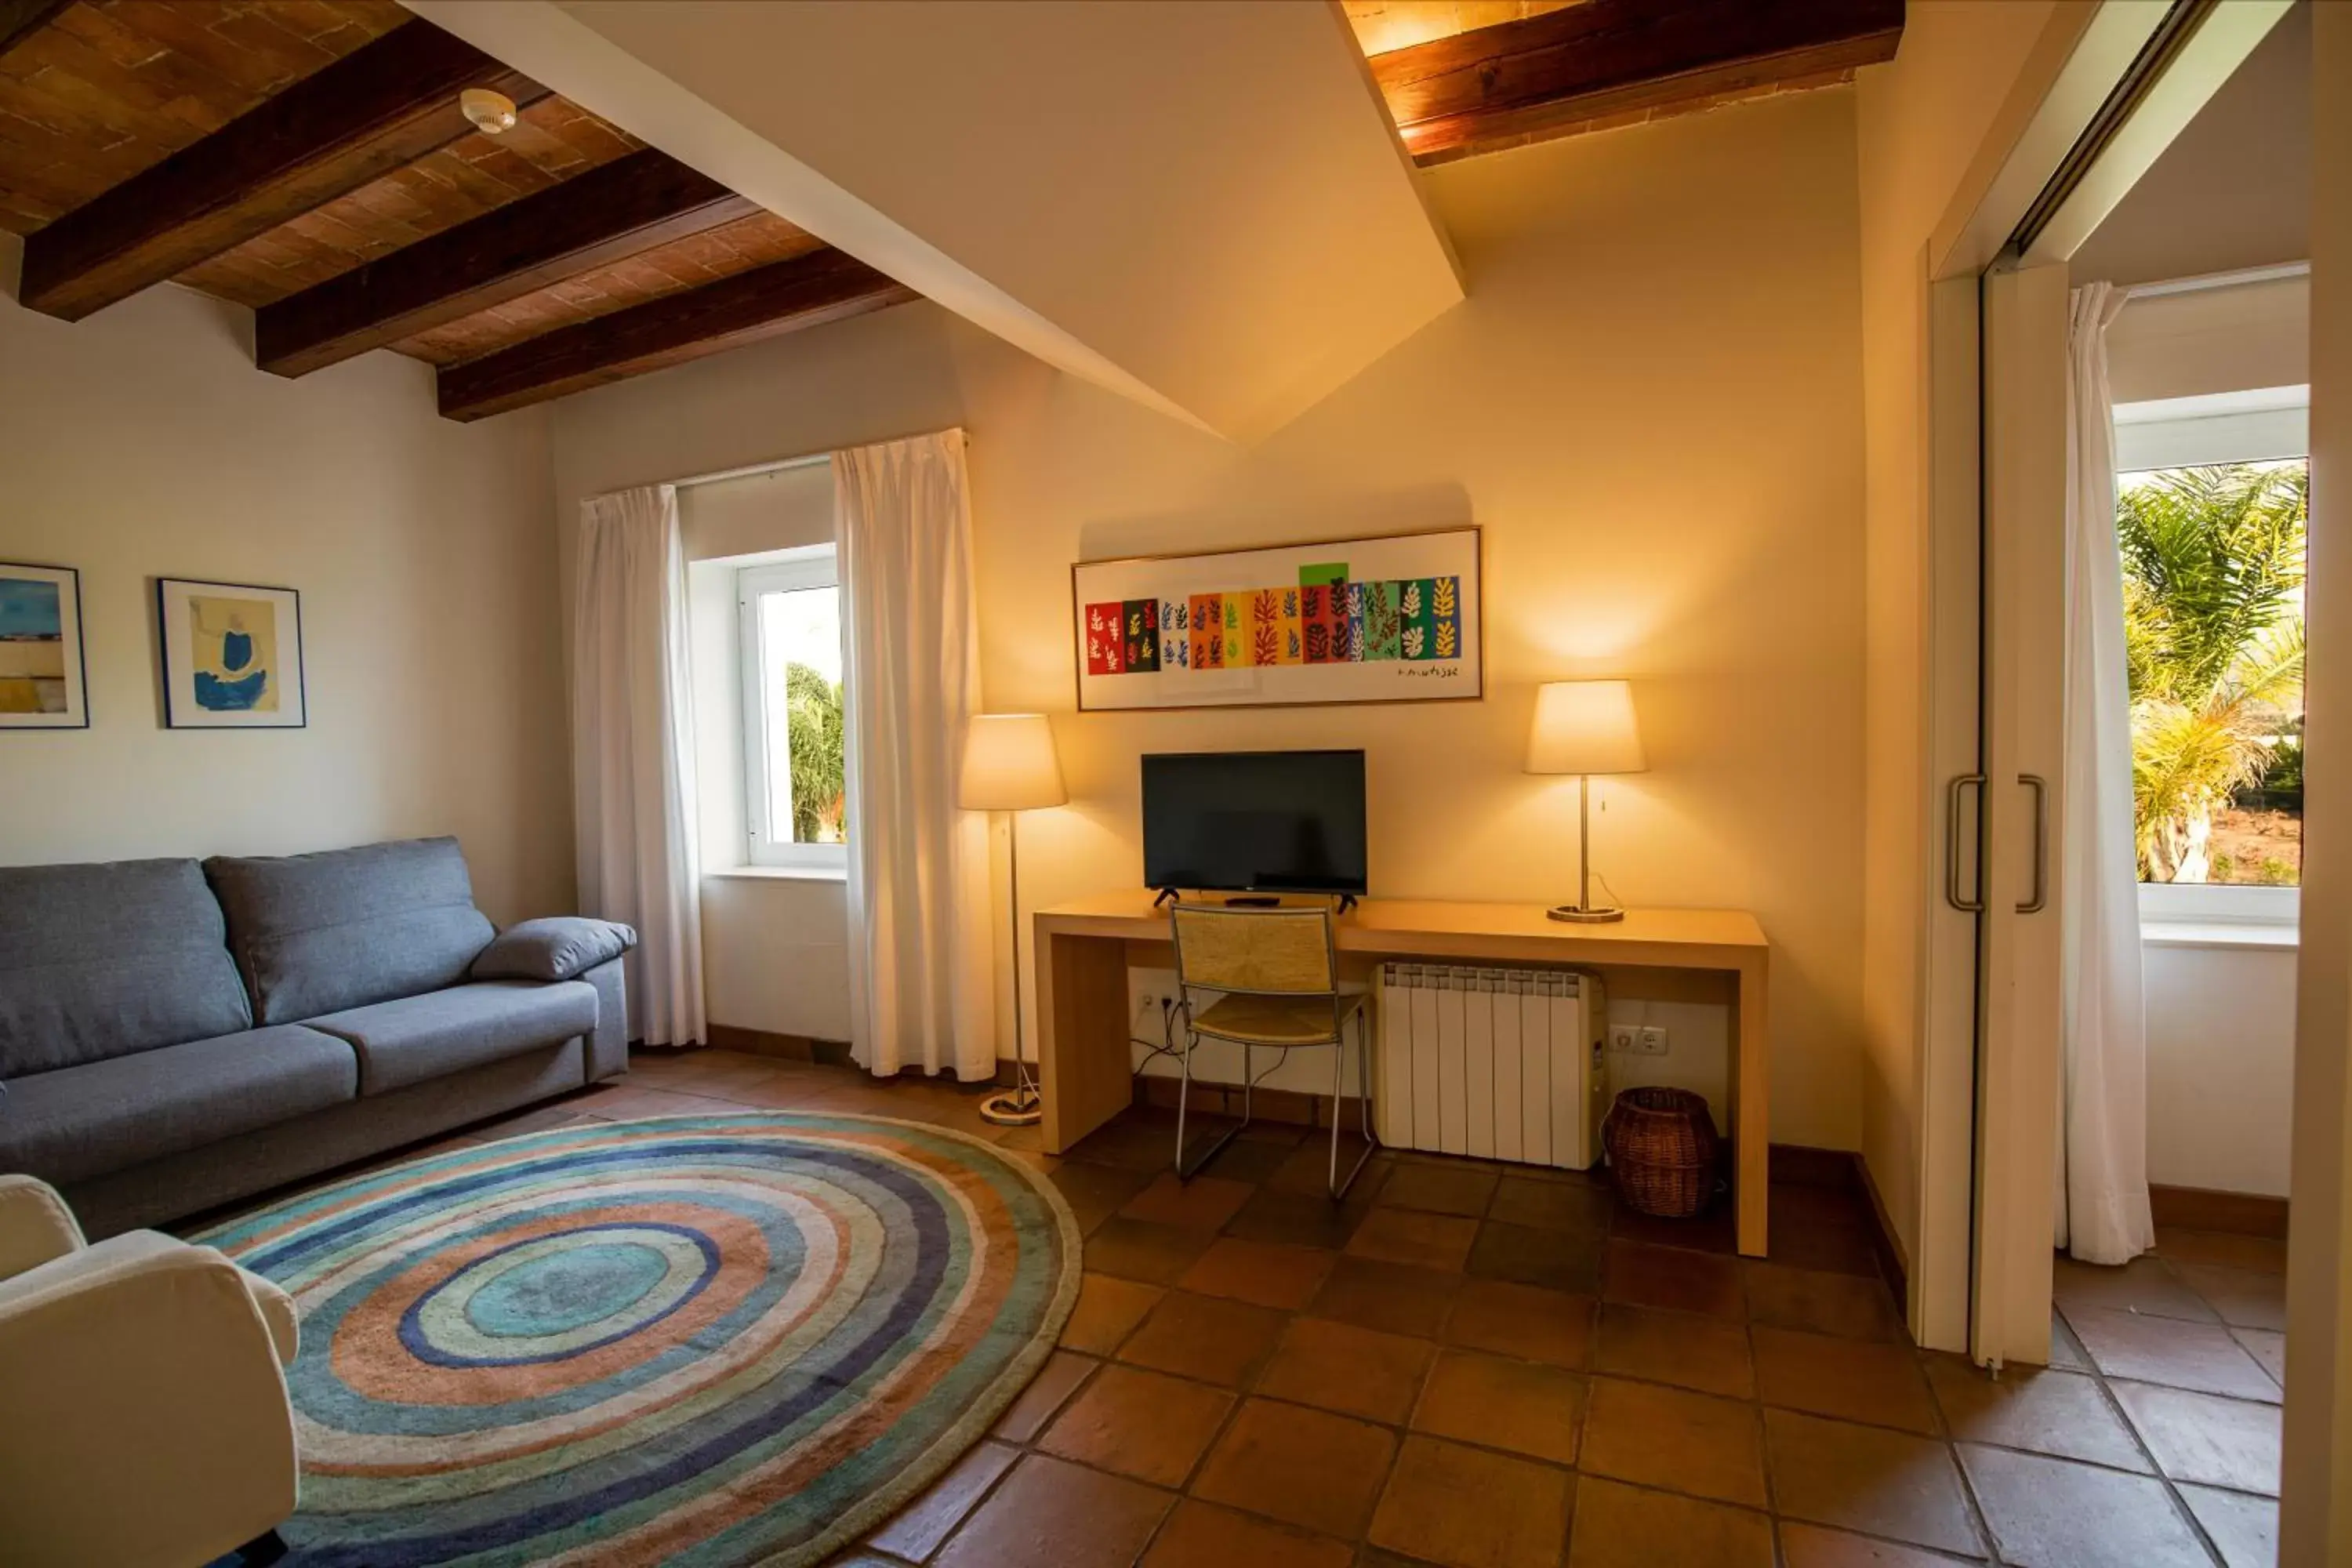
(1651, 404)
(143, 443)
(2221, 1064)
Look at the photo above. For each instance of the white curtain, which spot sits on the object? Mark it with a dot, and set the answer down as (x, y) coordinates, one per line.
(2102, 1210)
(633, 753)
(919, 977)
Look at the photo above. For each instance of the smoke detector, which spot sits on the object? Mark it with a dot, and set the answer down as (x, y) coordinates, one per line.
(491, 113)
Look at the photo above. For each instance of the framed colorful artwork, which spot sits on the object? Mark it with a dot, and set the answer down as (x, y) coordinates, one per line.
(43, 685)
(232, 656)
(1389, 619)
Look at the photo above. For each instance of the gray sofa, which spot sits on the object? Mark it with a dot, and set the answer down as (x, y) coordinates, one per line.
(175, 1037)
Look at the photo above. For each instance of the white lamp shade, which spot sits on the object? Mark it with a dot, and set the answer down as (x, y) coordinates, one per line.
(1585, 727)
(1009, 765)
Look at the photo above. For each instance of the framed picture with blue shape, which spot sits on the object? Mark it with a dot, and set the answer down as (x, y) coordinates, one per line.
(232, 656)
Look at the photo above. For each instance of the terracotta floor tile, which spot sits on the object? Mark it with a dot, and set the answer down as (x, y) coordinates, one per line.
(1204, 1203)
(2201, 1356)
(1263, 1272)
(1667, 1437)
(2241, 1297)
(1820, 1301)
(1138, 1249)
(1134, 1141)
(1868, 1479)
(1522, 1321)
(1298, 1219)
(2199, 1437)
(1455, 1189)
(2054, 1513)
(1138, 1423)
(2267, 1348)
(1338, 1366)
(922, 1524)
(1199, 1536)
(1624, 1527)
(1252, 1159)
(1055, 1382)
(1468, 1509)
(1810, 1546)
(2262, 1254)
(1814, 1229)
(2146, 1285)
(1853, 1380)
(1424, 1240)
(1527, 1408)
(1390, 1296)
(1095, 1192)
(2066, 1352)
(1581, 1204)
(1674, 1347)
(1108, 1310)
(1307, 1467)
(2245, 1528)
(1642, 1276)
(1305, 1171)
(1049, 1514)
(1716, 1230)
(1206, 1337)
(2041, 1408)
(1553, 1259)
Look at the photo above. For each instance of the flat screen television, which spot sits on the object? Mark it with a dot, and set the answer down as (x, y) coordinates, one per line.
(1255, 822)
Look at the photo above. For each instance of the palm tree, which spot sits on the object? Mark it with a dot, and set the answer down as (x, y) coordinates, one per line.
(2213, 636)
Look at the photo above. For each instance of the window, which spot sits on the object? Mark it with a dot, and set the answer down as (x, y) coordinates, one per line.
(790, 615)
(2213, 628)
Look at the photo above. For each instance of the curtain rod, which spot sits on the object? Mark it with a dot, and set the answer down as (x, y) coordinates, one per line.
(2232, 279)
(782, 465)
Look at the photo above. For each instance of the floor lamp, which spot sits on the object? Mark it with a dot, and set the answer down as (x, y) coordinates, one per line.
(1009, 765)
(1584, 727)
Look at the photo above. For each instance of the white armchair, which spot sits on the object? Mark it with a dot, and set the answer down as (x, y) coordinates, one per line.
(146, 1420)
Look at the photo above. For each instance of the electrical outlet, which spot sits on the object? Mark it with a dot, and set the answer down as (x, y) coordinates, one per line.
(1653, 1040)
(1625, 1037)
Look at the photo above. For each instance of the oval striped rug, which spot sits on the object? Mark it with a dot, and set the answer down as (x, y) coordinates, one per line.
(709, 1340)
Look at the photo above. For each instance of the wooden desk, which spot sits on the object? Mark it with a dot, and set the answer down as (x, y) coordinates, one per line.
(1085, 948)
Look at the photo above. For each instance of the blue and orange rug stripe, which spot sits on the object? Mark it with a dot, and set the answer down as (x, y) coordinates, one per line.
(706, 1340)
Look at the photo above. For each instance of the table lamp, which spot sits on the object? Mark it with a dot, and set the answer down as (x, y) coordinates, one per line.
(1009, 765)
(1584, 727)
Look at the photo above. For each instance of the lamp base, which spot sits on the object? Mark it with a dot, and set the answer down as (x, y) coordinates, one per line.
(1577, 914)
(1020, 1107)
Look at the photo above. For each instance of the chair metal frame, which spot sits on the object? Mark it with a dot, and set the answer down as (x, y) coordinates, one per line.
(1343, 1007)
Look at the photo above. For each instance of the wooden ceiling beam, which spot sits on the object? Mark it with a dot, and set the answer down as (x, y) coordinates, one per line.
(20, 19)
(387, 103)
(1607, 58)
(782, 297)
(614, 211)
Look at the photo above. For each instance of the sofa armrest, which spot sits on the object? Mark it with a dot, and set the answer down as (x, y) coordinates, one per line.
(147, 1417)
(562, 947)
(608, 1047)
(35, 1226)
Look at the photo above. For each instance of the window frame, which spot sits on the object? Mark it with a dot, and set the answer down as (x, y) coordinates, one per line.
(796, 571)
(2260, 424)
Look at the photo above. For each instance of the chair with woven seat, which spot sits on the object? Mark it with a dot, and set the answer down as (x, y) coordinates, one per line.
(1277, 975)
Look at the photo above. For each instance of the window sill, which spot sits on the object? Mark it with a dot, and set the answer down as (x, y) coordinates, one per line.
(782, 873)
(2278, 937)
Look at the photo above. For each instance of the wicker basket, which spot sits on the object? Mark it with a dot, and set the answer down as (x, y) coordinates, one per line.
(1661, 1145)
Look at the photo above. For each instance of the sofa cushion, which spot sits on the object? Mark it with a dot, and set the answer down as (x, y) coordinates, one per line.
(344, 928)
(83, 1121)
(417, 1037)
(101, 961)
(560, 947)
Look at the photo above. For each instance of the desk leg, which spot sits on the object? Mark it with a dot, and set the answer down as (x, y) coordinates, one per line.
(1083, 1064)
(1753, 1065)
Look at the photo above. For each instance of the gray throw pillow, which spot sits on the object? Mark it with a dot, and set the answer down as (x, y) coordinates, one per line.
(560, 947)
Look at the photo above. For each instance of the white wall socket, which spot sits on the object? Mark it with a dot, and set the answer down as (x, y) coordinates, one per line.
(1652, 1040)
(1625, 1037)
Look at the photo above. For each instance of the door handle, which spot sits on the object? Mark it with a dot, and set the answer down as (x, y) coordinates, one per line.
(1952, 795)
(2041, 898)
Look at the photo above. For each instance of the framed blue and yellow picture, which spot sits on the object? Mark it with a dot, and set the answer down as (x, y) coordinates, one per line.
(42, 686)
(232, 656)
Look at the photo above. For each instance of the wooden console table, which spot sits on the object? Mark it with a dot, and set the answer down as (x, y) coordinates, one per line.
(1086, 947)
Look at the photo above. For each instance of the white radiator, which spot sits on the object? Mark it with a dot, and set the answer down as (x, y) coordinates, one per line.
(1501, 1064)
